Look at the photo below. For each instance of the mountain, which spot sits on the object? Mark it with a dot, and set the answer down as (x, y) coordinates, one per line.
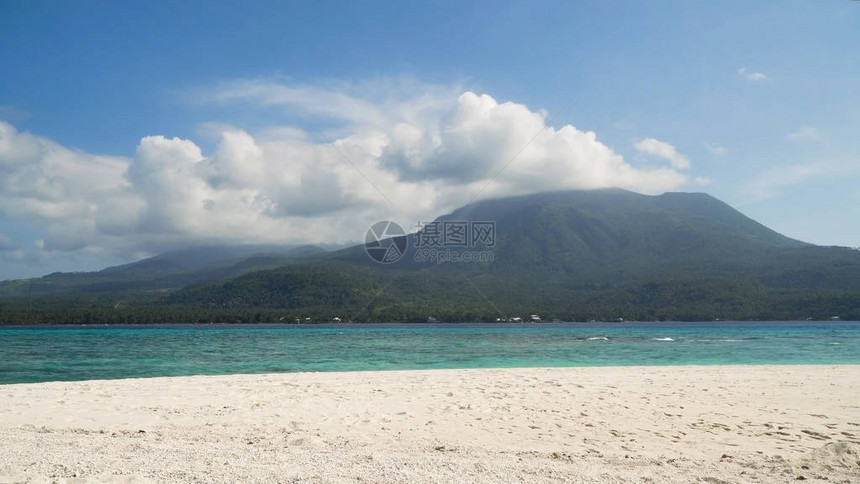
(170, 270)
(614, 235)
(586, 233)
(599, 254)
(573, 255)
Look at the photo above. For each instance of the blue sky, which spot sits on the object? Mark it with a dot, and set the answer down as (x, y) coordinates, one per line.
(134, 127)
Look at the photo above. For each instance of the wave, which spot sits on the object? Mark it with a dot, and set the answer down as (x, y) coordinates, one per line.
(722, 340)
(598, 338)
(662, 339)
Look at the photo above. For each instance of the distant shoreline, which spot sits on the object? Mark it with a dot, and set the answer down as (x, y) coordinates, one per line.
(417, 323)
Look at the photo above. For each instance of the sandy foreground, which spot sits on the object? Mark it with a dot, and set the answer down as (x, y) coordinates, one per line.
(713, 424)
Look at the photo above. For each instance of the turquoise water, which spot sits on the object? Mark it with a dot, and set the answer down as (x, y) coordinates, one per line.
(37, 354)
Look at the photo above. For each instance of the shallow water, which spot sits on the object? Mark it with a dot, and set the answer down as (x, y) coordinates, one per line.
(37, 354)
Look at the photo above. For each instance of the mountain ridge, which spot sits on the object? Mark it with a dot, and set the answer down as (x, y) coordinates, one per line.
(579, 255)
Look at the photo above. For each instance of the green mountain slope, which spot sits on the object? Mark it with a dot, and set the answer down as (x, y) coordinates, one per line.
(600, 254)
(574, 255)
(591, 233)
(171, 270)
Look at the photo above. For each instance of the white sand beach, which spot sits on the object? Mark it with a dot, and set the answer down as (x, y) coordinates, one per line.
(714, 424)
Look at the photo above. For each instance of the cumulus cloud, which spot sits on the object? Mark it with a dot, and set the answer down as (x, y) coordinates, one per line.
(479, 136)
(661, 149)
(397, 156)
(751, 75)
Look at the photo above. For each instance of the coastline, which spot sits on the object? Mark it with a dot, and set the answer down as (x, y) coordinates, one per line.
(767, 423)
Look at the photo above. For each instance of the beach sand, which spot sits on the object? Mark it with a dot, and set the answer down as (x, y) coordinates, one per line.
(714, 424)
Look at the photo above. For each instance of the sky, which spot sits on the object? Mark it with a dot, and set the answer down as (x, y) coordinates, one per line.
(132, 128)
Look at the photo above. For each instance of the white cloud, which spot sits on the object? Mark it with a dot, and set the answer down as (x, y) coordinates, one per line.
(804, 133)
(770, 182)
(715, 149)
(661, 149)
(379, 103)
(6, 243)
(16, 255)
(9, 250)
(751, 75)
(309, 100)
(398, 156)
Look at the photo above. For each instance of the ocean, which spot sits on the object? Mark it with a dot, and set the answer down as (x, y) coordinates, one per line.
(40, 354)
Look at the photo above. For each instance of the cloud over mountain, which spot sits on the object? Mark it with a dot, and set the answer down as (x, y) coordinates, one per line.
(364, 153)
(661, 149)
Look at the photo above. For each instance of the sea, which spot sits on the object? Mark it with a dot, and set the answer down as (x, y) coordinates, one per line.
(65, 353)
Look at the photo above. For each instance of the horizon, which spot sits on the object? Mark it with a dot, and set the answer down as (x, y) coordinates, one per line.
(128, 130)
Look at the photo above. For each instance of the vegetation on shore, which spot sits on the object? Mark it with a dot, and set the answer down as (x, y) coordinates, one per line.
(597, 255)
